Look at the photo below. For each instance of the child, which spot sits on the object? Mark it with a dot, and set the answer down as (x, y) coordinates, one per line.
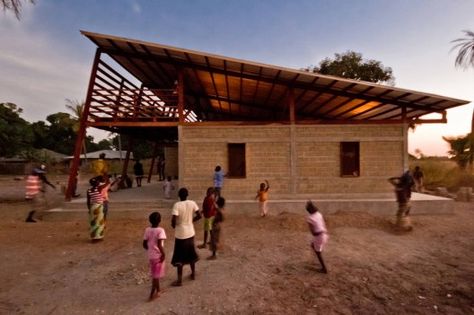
(153, 242)
(317, 228)
(262, 196)
(216, 227)
(168, 187)
(208, 211)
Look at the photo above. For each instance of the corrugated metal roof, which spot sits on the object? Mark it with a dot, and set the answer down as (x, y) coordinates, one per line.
(224, 88)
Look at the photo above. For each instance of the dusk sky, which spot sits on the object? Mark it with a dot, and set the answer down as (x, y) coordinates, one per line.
(45, 60)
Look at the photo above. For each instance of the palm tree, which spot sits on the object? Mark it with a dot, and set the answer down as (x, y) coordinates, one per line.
(13, 5)
(465, 59)
(77, 109)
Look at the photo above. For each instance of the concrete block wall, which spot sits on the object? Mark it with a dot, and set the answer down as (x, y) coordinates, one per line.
(309, 165)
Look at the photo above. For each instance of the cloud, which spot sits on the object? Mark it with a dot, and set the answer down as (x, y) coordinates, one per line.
(38, 73)
(136, 7)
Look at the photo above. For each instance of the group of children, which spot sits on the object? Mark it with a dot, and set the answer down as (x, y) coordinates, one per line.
(213, 213)
(153, 239)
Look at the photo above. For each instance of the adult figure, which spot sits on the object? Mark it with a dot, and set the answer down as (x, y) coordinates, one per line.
(35, 188)
(100, 166)
(184, 213)
(138, 170)
(403, 186)
(418, 177)
(95, 205)
(218, 180)
(161, 167)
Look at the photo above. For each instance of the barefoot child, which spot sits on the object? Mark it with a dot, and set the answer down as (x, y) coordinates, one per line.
(262, 196)
(317, 228)
(216, 227)
(208, 211)
(153, 242)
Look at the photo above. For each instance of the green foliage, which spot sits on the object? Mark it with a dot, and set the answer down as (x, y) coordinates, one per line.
(460, 149)
(465, 56)
(15, 133)
(443, 172)
(142, 149)
(13, 5)
(352, 66)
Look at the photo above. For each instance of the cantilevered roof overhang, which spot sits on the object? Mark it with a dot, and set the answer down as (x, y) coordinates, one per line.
(219, 88)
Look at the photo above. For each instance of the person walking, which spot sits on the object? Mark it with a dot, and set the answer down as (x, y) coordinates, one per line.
(403, 186)
(35, 187)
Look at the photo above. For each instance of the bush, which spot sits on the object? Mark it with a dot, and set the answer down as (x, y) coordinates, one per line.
(443, 173)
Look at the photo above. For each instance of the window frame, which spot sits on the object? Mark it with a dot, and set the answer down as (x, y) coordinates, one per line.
(231, 161)
(344, 151)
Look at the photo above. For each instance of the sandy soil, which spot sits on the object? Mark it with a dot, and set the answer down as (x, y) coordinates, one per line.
(266, 267)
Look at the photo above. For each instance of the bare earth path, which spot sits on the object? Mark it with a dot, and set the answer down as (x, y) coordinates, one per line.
(266, 267)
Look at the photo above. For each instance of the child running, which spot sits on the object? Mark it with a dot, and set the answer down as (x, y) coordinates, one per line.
(317, 227)
(153, 242)
(262, 196)
(216, 227)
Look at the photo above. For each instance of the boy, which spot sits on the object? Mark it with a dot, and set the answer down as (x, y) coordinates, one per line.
(208, 211)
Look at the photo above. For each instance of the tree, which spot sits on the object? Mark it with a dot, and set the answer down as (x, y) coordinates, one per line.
(61, 136)
(15, 133)
(77, 108)
(460, 149)
(465, 56)
(465, 59)
(13, 5)
(351, 65)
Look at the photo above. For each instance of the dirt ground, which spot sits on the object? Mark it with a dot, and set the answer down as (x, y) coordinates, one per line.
(265, 267)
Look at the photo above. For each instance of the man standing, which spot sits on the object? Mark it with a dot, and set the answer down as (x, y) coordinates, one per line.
(184, 212)
(418, 177)
(403, 186)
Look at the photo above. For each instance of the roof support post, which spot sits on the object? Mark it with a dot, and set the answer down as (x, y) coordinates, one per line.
(155, 153)
(405, 138)
(293, 172)
(291, 105)
(81, 133)
(180, 91)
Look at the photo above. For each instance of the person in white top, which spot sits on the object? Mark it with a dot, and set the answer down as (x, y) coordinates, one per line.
(184, 213)
(317, 227)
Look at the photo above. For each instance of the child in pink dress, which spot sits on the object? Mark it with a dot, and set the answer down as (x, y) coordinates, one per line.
(153, 242)
(317, 227)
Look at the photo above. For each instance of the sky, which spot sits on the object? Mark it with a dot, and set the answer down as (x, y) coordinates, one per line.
(44, 59)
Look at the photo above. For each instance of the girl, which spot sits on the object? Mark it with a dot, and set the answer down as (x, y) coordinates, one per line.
(95, 204)
(153, 242)
(216, 227)
(317, 227)
(262, 196)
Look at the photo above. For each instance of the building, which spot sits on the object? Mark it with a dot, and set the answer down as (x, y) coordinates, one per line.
(306, 133)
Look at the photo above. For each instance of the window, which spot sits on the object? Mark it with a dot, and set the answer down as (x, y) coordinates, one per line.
(350, 159)
(236, 154)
